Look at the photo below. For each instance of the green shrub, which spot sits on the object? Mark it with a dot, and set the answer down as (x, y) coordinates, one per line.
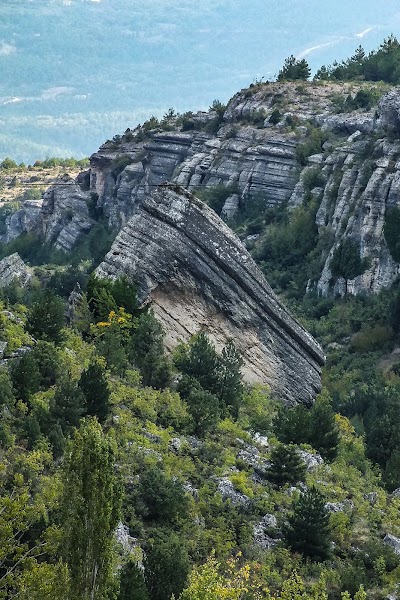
(216, 195)
(313, 178)
(346, 261)
(275, 117)
(371, 338)
(313, 145)
(391, 231)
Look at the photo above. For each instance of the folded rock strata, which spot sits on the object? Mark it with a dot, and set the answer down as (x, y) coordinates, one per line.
(198, 276)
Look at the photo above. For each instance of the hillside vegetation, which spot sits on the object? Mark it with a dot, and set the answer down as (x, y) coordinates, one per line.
(130, 474)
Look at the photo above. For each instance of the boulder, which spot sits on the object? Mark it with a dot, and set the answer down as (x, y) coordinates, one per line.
(13, 268)
(228, 492)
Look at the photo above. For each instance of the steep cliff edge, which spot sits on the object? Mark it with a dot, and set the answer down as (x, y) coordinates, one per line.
(198, 276)
(283, 143)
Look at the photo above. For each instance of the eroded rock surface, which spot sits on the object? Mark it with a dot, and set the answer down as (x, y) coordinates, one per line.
(198, 276)
(356, 173)
(13, 268)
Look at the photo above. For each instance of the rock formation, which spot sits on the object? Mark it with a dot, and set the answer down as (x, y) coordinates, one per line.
(13, 268)
(198, 276)
(358, 170)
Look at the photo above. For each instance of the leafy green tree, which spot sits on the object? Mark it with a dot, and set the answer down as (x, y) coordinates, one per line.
(94, 386)
(90, 508)
(286, 466)
(22, 508)
(308, 529)
(132, 583)
(46, 317)
(7, 398)
(294, 69)
(166, 565)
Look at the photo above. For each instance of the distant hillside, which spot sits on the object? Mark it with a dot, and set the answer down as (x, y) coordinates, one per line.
(75, 72)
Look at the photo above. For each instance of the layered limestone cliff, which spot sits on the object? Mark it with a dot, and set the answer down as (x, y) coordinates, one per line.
(259, 148)
(198, 277)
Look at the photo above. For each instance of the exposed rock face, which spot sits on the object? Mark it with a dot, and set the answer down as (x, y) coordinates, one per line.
(265, 532)
(13, 268)
(359, 169)
(198, 276)
(61, 216)
(228, 492)
(312, 461)
(393, 542)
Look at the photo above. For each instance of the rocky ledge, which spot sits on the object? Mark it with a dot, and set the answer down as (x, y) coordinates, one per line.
(198, 276)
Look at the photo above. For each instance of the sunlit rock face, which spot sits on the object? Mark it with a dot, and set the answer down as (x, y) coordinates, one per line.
(198, 277)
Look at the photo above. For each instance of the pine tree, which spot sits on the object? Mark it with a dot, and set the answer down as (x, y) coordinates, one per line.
(231, 386)
(25, 376)
(46, 317)
(94, 386)
(308, 530)
(286, 466)
(200, 360)
(323, 431)
(147, 352)
(292, 425)
(90, 508)
(294, 69)
(166, 565)
(68, 405)
(132, 584)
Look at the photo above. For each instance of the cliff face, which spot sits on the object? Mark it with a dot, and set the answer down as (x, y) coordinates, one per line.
(358, 171)
(198, 276)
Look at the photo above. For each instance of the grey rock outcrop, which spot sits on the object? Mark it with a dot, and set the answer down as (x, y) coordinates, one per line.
(312, 461)
(265, 532)
(13, 268)
(358, 167)
(198, 276)
(124, 539)
(393, 542)
(61, 216)
(336, 507)
(228, 492)
(389, 111)
(25, 220)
